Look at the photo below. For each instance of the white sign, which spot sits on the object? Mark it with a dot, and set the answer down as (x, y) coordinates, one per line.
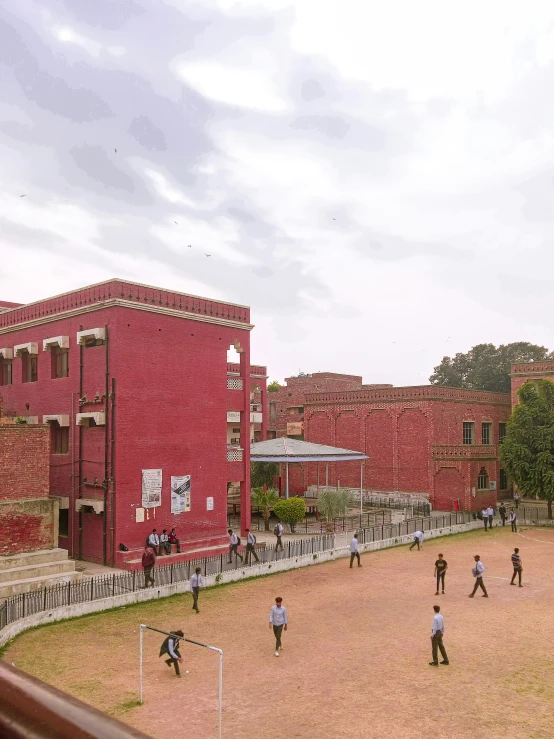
(151, 488)
(233, 416)
(180, 494)
(139, 515)
(209, 504)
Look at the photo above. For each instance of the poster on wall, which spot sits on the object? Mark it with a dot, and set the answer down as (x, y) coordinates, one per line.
(209, 504)
(151, 488)
(180, 494)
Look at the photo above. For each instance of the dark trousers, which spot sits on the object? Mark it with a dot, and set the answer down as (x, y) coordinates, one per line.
(514, 526)
(440, 578)
(486, 521)
(438, 645)
(516, 501)
(249, 552)
(177, 544)
(490, 522)
(195, 592)
(148, 576)
(279, 544)
(175, 663)
(503, 519)
(234, 549)
(479, 584)
(355, 555)
(278, 630)
(165, 546)
(517, 572)
(416, 541)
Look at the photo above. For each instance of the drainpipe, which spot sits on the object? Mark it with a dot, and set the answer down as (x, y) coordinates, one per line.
(79, 489)
(106, 446)
(112, 478)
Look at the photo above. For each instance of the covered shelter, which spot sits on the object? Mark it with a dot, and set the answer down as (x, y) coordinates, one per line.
(291, 451)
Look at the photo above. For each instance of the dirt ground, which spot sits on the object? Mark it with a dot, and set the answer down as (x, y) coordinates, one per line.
(355, 658)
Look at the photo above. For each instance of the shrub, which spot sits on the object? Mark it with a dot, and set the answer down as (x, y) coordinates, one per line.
(291, 511)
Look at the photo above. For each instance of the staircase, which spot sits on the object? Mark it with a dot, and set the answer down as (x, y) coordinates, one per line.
(24, 573)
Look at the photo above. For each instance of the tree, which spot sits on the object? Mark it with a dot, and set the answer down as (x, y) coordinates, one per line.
(265, 499)
(290, 510)
(486, 367)
(263, 473)
(273, 387)
(331, 503)
(527, 452)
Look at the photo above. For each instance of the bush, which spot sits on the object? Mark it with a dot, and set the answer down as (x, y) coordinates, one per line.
(291, 511)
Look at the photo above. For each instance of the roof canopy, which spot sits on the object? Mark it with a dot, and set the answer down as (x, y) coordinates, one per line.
(294, 450)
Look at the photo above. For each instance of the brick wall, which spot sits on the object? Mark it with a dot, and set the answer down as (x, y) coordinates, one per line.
(522, 373)
(24, 461)
(27, 525)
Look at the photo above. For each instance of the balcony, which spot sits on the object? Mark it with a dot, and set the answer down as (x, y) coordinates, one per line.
(256, 417)
(466, 452)
(234, 454)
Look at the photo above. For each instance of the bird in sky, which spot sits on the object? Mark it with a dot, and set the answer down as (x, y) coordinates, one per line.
(189, 246)
(115, 151)
(175, 223)
(208, 255)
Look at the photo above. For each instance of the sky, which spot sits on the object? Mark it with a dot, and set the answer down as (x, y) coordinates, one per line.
(376, 180)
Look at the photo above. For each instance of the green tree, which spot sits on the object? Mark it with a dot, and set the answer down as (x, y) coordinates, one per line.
(263, 473)
(290, 510)
(486, 367)
(273, 387)
(527, 452)
(331, 503)
(265, 499)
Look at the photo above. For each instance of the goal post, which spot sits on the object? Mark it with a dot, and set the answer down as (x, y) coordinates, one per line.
(143, 628)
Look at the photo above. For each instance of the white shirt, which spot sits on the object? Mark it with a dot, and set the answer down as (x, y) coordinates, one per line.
(479, 568)
(419, 535)
(172, 645)
(278, 616)
(280, 529)
(438, 624)
(490, 511)
(513, 516)
(164, 538)
(233, 539)
(154, 539)
(485, 512)
(354, 545)
(251, 539)
(197, 581)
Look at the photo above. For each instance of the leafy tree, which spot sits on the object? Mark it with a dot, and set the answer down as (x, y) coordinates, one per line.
(486, 367)
(527, 452)
(265, 499)
(263, 473)
(273, 387)
(290, 510)
(331, 503)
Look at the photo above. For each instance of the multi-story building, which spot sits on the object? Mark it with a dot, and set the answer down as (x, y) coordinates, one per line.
(134, 383)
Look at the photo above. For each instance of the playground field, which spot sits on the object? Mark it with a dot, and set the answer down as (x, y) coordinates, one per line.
(355, 658)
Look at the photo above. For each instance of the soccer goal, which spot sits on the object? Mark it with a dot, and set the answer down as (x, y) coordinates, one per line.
(144, 627)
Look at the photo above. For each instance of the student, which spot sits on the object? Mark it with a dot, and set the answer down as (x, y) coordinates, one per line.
(440, 571)
(418, 539)
(502, 511)
(513, 520)
(154, 541)
(354, 553)
(516, 499)
(278, 619)
(490, 515)
(233, 546)
(278, 531)
(250, 547)
(485, 517)
(174, 540)
(196, 582)
(164, 543)
(437, 632)
(171, 648)
(478, 575)
(148, 562)
(518, 567)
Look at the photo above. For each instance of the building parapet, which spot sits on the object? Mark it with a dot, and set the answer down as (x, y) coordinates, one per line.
(532, 368)
(423, 392)
(464, 451)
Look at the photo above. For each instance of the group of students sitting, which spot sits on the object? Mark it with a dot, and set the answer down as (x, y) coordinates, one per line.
(163, 541)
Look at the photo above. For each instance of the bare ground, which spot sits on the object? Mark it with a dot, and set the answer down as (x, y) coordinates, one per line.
(356, 655)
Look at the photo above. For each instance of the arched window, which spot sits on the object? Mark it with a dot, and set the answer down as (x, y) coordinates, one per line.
(483, 480)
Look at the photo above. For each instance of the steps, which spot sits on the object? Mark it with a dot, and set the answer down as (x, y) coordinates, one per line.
(24, 573)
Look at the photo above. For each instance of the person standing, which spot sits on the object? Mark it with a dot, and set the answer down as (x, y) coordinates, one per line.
(278, 619)
(502, 511)
(516, 499)
(478, 575)
(418, 539)
(196, 582)
(437, 632)
(490, 515)
(518, 567)
(174, 540)
(441, 566)
(278, 531)
(148, 562)
(354, 552)
(170, 647)
(164, 543)
(485, 517)
(154, 541)
(234, 542)
(250, 547)
(513, 520)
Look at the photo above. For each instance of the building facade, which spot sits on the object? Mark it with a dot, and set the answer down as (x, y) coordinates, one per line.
(134, 384)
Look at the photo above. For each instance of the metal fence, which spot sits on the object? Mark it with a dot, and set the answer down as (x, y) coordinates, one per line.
(314, 525)
(97, 587)
(396, 530)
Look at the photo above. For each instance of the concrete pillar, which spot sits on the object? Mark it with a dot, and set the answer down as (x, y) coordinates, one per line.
(245, 504)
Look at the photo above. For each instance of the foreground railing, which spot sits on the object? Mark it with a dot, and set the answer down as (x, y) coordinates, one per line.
(30, 709)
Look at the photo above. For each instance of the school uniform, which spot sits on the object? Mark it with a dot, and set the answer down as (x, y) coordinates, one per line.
(437, 632)
(233, 548)
(278, 618)
(418, 539)
(518, 569)
(154, 542)
(148, 562)
(440, 571)
(250, 548)
(278, 531)
(485, 516)
(164, 544)
(196, 582)
(354, 553)
(171, 648)
(490, 515)
(174, 540)
(513, 521)
(502, 511)
(478, 571)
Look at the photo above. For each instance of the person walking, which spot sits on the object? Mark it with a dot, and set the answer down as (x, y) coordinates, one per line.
(513, 520)
(278, 531)
(174, 540)
(250, 547)
(154, 541)
(518, 567)
(170, 647)
(164, 543)
(418, 539)
(148, 562)
(485, 517)
(437, 632)
(278, 619)
(502, 512)
(234, 542)
(478, 575)
(516, 499)
(196, 582)
(354, 552)
(441, 566)
(490, 515)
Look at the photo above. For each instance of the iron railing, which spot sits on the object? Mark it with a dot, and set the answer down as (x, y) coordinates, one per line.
(314, 525)
(404, 528)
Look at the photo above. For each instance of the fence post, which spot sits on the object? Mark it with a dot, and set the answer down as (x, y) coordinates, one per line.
(171, 574)
(92, 588)
(24, 601)
(44, 600)
(134, 580)
(69, 592)
(220, 563)
(113, 584)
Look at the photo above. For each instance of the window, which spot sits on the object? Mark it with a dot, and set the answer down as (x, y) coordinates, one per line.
(60, 363)
(469, 432)
(30, 367)
(60, 440)
(501, 435)
(503, 480)
(486, 433)
(5, 371)
(63, 522)
(483, 480)
(273, 411)
(272, 434)
(236, 431)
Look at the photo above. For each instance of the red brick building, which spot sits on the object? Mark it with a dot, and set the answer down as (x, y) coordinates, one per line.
(132, 378)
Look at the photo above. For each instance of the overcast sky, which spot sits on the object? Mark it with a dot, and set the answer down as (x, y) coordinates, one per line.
(375, 179)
